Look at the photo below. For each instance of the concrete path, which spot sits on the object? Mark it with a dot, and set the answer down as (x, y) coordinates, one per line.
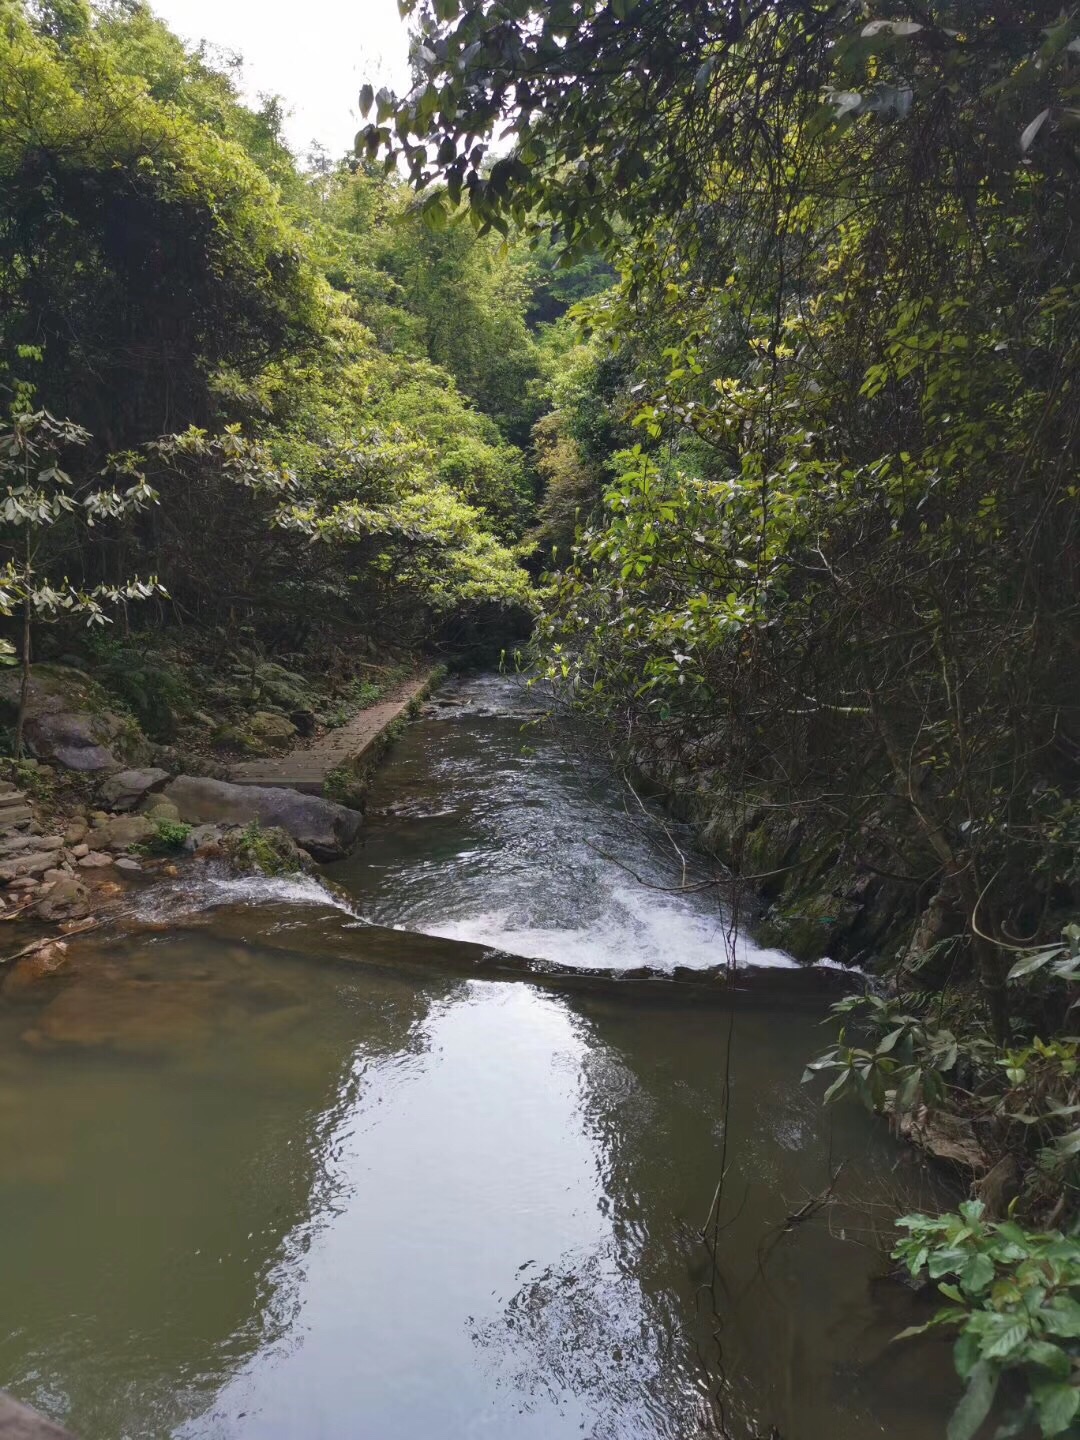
(306, 768)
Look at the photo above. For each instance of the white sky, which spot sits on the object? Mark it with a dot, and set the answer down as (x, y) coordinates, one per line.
(315, 55)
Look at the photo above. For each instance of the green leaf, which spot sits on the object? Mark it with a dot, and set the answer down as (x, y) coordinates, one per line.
(890, 1040)
(977, 1273)
(1034, 960)
(1057, 1405)
(946, 1262)
(1062, 1317)
(913, 1330)
(975, 1406)
(1006, 1341)
(1054, 1358)
(966, 1353)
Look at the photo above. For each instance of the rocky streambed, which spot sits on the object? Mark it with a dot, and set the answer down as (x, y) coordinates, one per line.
(98, 808)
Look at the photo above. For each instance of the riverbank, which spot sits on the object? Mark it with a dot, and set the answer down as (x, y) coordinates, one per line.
(101, 808)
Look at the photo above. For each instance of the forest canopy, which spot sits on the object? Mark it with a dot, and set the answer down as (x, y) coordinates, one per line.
(171, 277)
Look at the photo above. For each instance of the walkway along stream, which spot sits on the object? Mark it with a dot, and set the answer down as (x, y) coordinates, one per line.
(351, 745)
(286, 1161)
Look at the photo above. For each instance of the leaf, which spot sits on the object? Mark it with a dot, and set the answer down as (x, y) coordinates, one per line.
(977, 1273)
(975, 1405)
(966, 1353)
(1062, 1317)
(1057, 1405)
(1030, 131)
(1035, 959)
(946, 1261)
(892, 27)
(1006, 1341)
(912, 1330)
(367, 99)
(1054, 1358)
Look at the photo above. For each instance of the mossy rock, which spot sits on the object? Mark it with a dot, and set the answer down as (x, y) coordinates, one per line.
(255, 850)
(272, 729)
(238, 737)
(807, 926)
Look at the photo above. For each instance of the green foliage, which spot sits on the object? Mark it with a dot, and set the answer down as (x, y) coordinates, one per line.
(1015, 1300)
(37, 781)
(268, 852)
(619, 110)
(345, 785)
(904, 1066)
(250, 345)
(169, 835)
(154, 690)
(145, 248)
(1059, 961)
(358, 695)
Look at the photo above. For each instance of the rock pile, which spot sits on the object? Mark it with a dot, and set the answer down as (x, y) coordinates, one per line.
(38, 872)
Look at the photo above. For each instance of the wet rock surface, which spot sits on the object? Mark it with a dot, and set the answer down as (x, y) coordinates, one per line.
(327, 830)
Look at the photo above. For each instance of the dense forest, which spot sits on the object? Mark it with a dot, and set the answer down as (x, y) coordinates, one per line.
(824, 586)
(210, 350)
(721, 359)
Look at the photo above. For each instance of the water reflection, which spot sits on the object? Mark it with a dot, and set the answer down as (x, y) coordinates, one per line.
(170, 1111)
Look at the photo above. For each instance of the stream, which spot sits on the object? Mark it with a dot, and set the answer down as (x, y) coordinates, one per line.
(284, 1162)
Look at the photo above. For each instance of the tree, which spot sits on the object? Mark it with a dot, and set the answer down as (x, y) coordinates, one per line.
(41, 499)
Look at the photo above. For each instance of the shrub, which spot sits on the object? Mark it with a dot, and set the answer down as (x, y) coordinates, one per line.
(1015, 1302)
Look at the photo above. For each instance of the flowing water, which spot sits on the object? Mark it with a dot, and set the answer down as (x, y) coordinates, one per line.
(280, 1165)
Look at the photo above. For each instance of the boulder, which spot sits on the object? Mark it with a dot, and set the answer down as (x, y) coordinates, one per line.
(202, 837)
(157, 808)
(328, 830)
(65, 901)
(121, 832)
(276, 730)
(71, 739)
(68, 720)
(237, 737)
(20, 844)
(95, 860)
(35, 863)
(124, 790)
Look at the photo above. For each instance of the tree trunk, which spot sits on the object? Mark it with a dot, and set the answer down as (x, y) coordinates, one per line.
(24, 687)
